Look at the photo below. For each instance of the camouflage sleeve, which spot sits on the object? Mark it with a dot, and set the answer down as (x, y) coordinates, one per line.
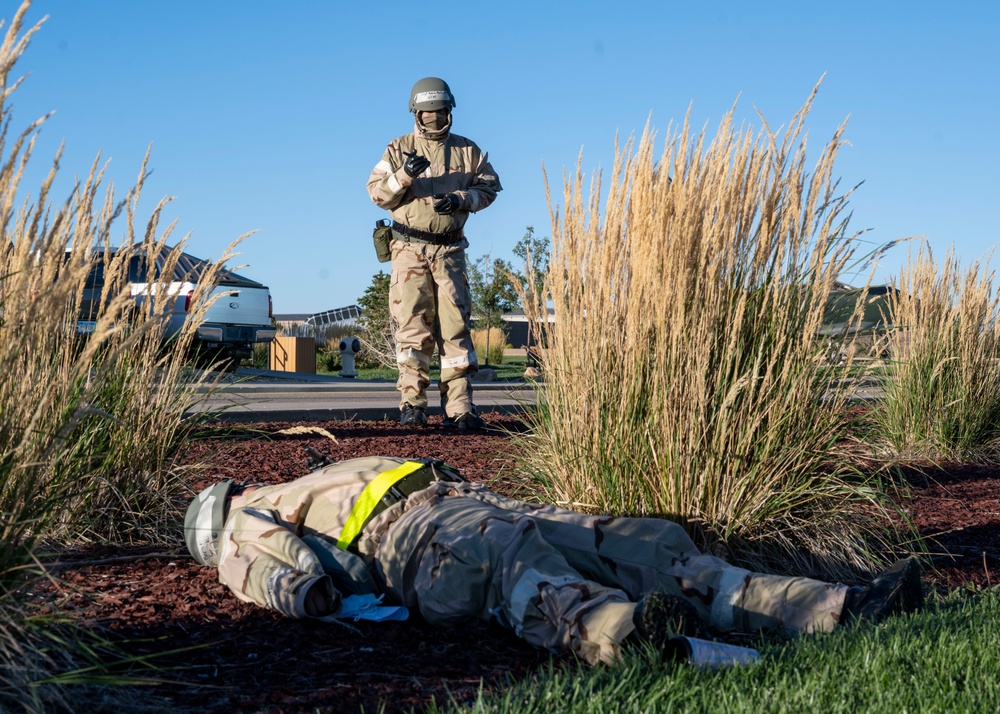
(264, 562)
(484, 187)
(388, 183)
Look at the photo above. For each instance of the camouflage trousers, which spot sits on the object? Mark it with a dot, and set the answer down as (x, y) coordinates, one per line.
(570, 582)
(431, 305)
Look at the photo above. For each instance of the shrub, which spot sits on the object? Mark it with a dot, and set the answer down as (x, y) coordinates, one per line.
(942, 385)
(261, 357)
(497, 341)
(683, 378)
(328, 360)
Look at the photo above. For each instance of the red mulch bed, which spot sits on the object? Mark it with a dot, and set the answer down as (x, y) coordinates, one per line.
(249, 660)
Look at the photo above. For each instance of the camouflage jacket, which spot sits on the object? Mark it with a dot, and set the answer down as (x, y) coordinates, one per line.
(458, 166)
(279, 541)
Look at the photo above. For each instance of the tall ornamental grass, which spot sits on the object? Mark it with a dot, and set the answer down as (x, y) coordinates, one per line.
(89, 424)
(489, 343)
(942, 383)
(683, 377)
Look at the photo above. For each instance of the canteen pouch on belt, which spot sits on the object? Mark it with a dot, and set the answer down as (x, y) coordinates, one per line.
(382, 237)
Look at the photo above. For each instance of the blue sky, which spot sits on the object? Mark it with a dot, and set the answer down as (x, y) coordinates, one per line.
(268, 116)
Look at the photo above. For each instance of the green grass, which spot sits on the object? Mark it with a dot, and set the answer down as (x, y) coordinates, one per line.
(512, 370)
(943, 659)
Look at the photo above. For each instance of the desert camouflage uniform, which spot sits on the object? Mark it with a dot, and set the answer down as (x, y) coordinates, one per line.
(457, 552)
(429, 297)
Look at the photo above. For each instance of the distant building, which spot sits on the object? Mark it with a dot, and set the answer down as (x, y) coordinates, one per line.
(317, 324)
(517, 328)
(340, 317)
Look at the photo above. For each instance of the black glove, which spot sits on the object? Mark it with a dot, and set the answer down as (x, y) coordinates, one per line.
(317, 601)
(447, 204)
(415, 164)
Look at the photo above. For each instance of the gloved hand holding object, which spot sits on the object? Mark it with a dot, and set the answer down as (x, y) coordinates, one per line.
(415, 163)
(447, 203)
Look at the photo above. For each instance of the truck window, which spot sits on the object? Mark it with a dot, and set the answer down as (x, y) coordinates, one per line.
(137, 269)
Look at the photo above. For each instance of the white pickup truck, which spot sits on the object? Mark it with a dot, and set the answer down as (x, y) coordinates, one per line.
(237, 320)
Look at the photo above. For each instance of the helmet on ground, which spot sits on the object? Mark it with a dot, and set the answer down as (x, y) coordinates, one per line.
(204, 521)
(430, 94)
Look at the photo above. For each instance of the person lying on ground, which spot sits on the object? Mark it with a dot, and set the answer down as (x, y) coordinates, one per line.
(417, 533)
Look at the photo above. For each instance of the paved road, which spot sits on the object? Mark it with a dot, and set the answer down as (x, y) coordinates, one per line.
(263, 395)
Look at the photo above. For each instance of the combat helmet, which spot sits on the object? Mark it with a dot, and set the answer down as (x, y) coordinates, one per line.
(430, 94)
(204, 521)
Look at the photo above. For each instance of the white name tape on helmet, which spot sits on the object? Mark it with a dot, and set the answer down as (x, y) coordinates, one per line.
(436, 95)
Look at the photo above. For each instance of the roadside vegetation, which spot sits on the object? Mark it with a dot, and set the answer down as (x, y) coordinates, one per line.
(510, 370)
(682, 373)
(942, 382)
(688, 369)
(89, 422)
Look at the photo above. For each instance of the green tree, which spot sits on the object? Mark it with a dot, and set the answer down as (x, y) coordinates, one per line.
(530, 282)
(378, 345)
(534, 255)
(493, 293)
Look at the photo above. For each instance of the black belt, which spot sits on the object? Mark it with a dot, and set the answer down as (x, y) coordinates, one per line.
(426, 236)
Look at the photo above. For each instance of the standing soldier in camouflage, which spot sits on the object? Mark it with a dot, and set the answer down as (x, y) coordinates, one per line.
(420, 534)
(430, 180)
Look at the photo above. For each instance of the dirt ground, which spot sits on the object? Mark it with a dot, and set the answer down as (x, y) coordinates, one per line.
(245, 659)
